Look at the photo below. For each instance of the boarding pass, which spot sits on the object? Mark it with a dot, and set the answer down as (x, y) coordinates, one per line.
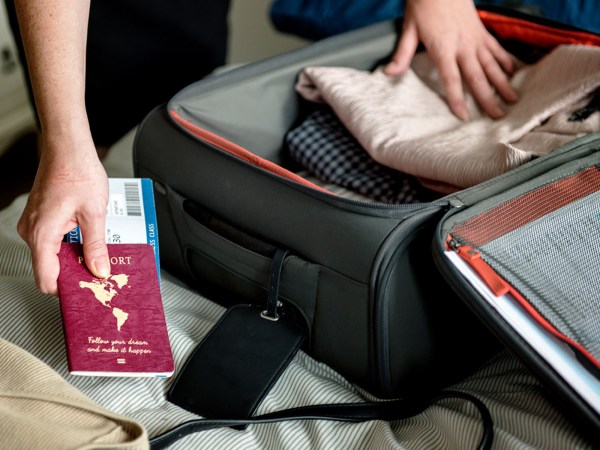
(130, 215)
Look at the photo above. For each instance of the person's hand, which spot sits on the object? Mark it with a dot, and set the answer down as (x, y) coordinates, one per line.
(70, 188)
(461, 48)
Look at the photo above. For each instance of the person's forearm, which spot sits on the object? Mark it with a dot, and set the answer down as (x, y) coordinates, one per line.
(54, 35)
(70, 187)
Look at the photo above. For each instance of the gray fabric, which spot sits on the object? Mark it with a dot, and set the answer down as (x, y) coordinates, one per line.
(254, 105)
(562, 162)
(523, 418)
(553, 261)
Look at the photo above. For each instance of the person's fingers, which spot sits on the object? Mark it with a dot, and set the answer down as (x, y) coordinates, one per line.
(46, 265)
(479, 85)
(505, 59)
(95, 253)
(405, 50)
(451, 78)
(497, 77)
(44, 251)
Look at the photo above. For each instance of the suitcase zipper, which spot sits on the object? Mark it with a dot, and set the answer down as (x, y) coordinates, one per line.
(500, 287)
(353, 204)
(473, 258)
(506, 334)
(487, 314)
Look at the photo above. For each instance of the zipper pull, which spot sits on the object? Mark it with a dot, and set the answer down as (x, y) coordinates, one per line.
(473, 258)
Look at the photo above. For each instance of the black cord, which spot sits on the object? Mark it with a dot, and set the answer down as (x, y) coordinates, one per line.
(486, 418)
(346, 412)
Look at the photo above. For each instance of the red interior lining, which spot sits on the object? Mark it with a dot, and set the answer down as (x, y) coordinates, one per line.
(533, 33)
(241, 152)
(515, 213)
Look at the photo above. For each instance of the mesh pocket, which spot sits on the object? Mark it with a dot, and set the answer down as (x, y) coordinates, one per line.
(546, 245)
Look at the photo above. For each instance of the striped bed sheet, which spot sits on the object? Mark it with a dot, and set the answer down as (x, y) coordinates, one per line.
(523, 416)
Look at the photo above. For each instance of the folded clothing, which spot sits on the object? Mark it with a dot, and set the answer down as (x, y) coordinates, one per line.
(405, 123)
(323, 146)
(39, 409)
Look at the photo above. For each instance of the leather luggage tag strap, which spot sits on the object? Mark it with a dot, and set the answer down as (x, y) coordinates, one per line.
(234, 367)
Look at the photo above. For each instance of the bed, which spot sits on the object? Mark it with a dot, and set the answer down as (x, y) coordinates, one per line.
(523, 413)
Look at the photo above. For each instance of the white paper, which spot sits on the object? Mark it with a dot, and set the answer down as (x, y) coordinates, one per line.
(558, 355)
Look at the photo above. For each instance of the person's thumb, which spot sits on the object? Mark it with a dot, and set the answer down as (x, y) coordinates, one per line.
(95, 252)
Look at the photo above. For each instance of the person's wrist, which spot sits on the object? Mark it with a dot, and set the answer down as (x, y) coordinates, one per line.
(69, 137)
(66, 119)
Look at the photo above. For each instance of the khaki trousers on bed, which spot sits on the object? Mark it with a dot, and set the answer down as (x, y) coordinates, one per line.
(40, 410)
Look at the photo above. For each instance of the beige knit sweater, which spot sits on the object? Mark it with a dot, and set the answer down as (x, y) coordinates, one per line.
(404, 122)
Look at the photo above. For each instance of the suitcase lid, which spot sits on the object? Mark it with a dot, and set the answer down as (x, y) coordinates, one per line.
(526, 259)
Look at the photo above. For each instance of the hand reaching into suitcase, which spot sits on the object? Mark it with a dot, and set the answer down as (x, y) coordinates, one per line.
(461, 48)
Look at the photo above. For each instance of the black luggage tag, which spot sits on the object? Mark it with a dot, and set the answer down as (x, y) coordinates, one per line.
(237, 363)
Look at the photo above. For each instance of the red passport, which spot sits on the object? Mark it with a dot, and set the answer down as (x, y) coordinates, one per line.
(114, 326)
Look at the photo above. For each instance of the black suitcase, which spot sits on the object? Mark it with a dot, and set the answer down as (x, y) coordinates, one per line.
(361, 277)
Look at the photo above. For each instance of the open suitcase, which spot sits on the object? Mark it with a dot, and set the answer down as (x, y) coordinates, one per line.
(380, 304)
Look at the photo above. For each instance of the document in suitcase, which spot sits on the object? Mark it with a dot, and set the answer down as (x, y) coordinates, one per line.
(530, 257)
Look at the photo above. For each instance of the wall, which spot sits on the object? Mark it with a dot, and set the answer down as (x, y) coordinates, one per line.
(16, 114)
(252, 37)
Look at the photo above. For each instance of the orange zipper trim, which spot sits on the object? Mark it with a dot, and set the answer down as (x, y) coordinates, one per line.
(494, 281)
(499, 286)
(534, 33)
(236, 150)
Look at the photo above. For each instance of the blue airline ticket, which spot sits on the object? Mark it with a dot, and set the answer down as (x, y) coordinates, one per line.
(130, 215)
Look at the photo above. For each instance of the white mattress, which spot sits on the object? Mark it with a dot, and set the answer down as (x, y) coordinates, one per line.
(523, 418)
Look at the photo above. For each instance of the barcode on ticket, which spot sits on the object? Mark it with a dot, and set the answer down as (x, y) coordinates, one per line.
(133, 204)
(130, 214)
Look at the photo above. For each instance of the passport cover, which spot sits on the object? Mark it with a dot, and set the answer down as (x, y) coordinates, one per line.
(114, 326)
